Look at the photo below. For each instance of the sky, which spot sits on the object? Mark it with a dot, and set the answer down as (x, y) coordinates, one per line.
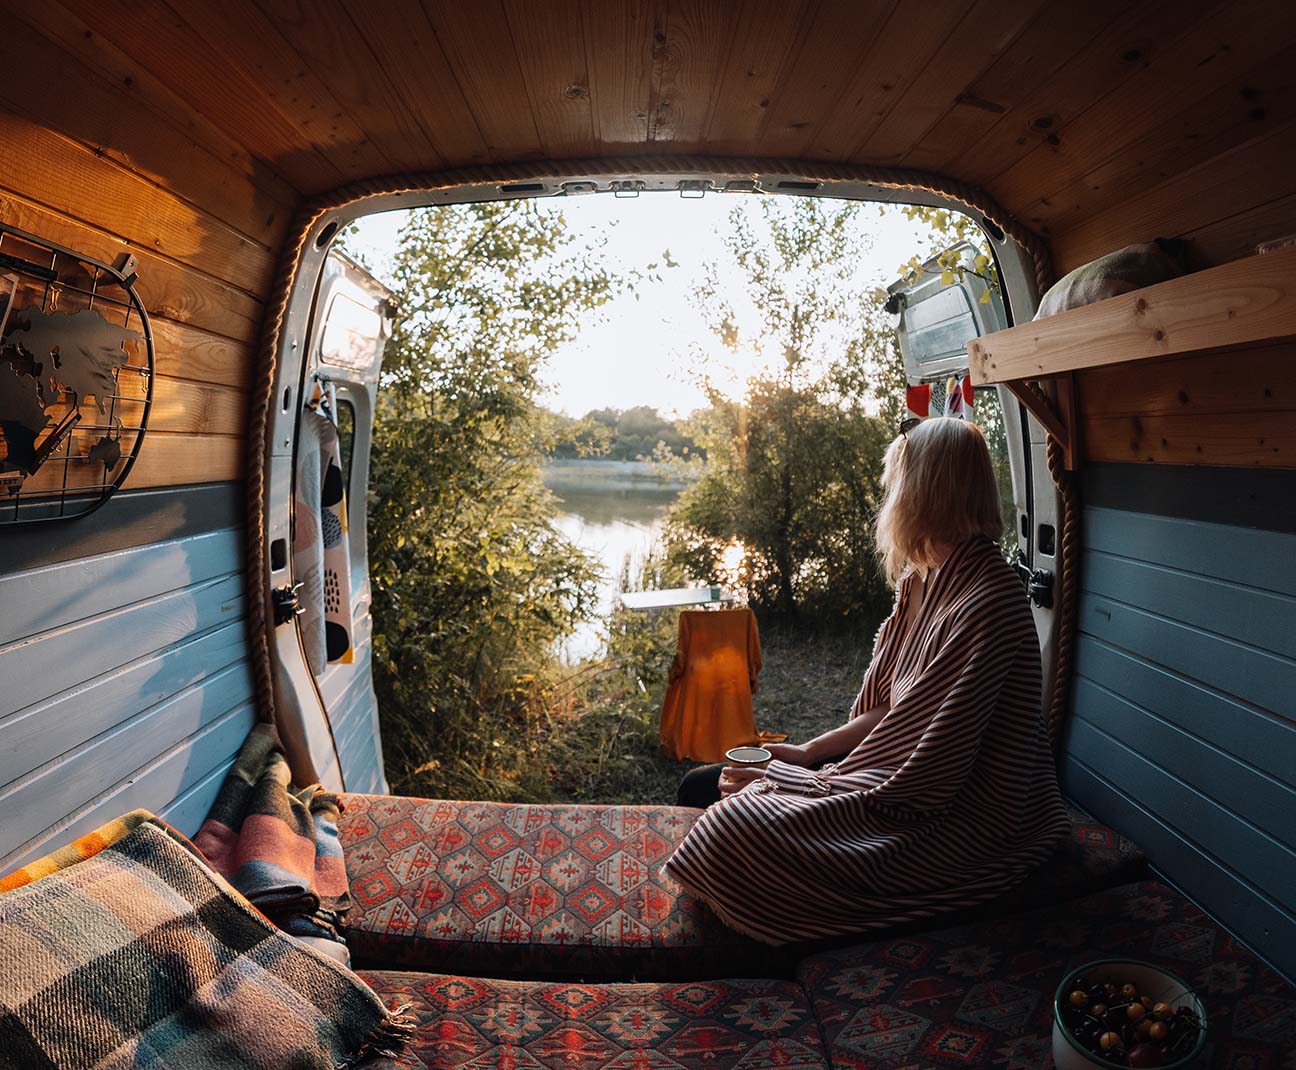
(637, 349)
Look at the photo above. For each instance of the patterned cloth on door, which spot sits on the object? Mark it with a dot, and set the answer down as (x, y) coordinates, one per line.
(708, 706)
(321, 558)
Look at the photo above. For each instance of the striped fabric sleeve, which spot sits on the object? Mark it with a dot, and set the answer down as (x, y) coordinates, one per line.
(828, 780)
(797, 779)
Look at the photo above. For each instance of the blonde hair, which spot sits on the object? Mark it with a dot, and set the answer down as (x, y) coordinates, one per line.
(940, 490)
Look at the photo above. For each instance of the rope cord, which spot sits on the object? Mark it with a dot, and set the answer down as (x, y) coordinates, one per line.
(312, 210)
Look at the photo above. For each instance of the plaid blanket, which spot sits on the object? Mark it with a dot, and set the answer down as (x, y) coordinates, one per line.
(124, 951)
(278, 845)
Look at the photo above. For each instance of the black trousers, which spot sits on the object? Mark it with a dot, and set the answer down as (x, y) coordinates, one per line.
(700, 787)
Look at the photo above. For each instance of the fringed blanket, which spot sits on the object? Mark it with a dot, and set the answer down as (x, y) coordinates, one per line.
(278, 845)
(950, 801)
(124, 951)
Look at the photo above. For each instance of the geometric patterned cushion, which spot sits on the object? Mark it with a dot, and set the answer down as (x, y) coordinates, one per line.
(981, 995)
(506, 890)
(470, 1023)
(1092, 858)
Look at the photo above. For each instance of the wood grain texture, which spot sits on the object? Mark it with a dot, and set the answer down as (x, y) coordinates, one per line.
(1045, 103)
(68, 178)
(1243, 302)
(1047, 44)
(1238, 235)
(110, 63)
(1241, 380)
(1239, 111)
(1223, 188)
(106, 118)
(185, 352)
(928, 86)
(1226, 45)
(1231, 439)
(421, 76)
(687, 73)
(549, 40)
(1101, 67)
(256, 45)
(619, 48)
(325, 36)
(479, 48)
(199, 72)
(829, 79)
(762, 42)
(167, 458)
(166, 287)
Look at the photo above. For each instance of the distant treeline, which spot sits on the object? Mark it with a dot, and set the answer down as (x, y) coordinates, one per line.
(620, 435)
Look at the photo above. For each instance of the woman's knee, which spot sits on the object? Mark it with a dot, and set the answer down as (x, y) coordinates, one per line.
(700, 787)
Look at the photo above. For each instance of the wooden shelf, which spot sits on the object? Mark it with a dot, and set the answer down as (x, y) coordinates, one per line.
(1240, 303)
(1245, 302)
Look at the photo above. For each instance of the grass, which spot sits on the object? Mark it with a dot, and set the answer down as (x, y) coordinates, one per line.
(589, 733)
(605, 748)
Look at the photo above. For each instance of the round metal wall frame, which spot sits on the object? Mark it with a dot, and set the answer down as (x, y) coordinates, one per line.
(82, 313)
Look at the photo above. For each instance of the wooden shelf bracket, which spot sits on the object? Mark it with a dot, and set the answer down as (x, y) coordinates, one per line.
(1059, 418)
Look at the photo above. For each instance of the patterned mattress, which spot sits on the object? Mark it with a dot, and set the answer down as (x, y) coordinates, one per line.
(576, 892)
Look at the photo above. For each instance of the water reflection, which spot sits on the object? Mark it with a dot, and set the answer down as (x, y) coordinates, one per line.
(612, 510)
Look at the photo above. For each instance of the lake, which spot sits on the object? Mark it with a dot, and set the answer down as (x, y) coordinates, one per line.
(611, 510)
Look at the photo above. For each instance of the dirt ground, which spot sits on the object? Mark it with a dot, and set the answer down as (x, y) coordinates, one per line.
(807, 686)
(808, 683)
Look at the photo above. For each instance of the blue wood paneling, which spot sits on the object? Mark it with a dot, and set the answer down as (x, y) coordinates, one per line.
(124, 682)
(1183, 732)
(1226, 894)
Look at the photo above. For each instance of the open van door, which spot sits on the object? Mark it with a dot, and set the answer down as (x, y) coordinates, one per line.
(938, 313)
(351, 323)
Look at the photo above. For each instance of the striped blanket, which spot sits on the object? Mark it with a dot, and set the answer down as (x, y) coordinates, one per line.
(278, 845)
(124, 951)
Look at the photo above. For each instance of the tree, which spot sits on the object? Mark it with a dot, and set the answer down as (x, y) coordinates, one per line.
(472, 584)
(793, 465)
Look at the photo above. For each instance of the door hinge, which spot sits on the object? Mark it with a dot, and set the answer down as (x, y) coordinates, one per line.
(286, 603)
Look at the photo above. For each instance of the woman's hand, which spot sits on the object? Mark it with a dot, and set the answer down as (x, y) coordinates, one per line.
(733, 778)
(792, 753)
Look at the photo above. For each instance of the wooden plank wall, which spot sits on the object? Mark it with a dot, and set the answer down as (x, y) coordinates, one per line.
(1182, 723)
(102, 158)
(123, 646)
(1236, 408)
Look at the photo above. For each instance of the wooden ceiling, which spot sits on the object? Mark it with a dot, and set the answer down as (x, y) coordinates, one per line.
(1059, 109)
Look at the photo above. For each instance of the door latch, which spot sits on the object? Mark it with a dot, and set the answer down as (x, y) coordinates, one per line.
(1038, 582)
(286, 603)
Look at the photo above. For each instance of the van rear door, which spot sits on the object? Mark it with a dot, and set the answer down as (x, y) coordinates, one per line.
(352, 322)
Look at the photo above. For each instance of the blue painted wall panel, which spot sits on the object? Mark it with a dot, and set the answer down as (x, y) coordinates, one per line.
(124, 683)
(1183, 732)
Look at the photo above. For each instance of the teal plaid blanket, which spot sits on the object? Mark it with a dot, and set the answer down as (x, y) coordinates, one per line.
(125, 951)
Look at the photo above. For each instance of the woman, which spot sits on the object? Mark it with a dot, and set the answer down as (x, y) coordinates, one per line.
(947, 794)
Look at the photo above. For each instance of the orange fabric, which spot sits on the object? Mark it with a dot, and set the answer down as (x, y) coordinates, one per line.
(708, 706)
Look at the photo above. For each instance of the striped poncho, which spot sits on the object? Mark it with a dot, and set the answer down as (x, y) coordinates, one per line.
(950, 800)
